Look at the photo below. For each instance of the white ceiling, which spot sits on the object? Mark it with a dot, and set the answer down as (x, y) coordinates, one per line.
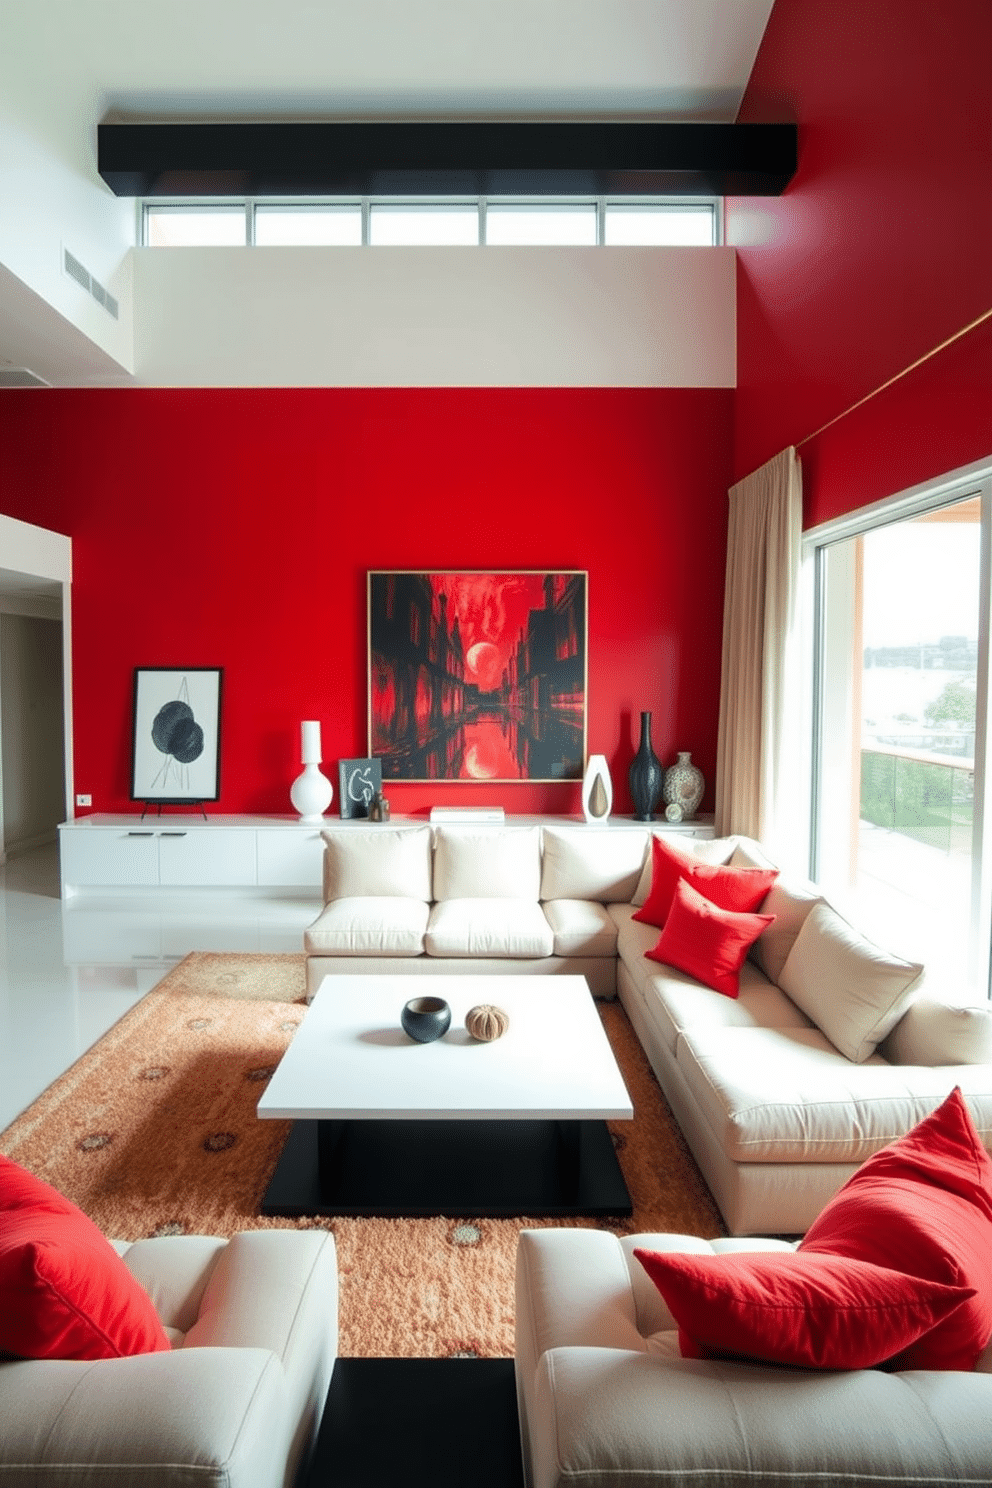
(67, 65)
(181, 58)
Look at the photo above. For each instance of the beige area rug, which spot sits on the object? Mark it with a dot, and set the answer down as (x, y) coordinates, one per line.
(153, 1131)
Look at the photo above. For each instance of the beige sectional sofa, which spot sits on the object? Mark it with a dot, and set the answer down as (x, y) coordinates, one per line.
(829, 1052)
(832, 1048)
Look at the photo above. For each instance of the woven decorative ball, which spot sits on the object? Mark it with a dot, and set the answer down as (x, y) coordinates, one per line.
(486, 1022)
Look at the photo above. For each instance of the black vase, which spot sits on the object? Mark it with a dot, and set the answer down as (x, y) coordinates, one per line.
(646, 775)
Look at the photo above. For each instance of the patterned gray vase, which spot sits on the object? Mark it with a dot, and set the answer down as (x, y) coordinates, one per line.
(684, 785)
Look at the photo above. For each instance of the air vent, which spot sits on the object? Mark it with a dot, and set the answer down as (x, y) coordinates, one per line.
(18, 377)
(86, 281)
(76, 271)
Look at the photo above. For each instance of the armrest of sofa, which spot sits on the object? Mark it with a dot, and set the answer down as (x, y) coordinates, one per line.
(271, 1289)
(603, 1415)
(571, 1286)
(174, 1271)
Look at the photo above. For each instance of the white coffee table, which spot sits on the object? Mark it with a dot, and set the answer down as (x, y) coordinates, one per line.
(384, 1125)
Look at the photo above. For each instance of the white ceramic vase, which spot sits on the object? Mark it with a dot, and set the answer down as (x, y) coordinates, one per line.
(684, 785)
(597, 790)
(311, 792)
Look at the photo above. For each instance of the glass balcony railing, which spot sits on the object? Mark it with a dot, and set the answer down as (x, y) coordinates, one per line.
(928, 799)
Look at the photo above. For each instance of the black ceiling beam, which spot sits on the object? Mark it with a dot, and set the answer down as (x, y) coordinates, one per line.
(450, 159)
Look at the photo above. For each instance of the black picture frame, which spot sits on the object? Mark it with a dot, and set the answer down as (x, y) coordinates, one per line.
(175, 748)
(359, 782)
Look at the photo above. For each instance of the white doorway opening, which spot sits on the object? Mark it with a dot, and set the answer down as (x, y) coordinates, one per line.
(35, 685)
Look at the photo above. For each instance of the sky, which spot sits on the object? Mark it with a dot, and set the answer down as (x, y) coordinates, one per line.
(921, 583)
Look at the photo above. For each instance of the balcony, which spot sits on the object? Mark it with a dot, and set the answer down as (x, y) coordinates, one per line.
(926, 796)
(911, 886)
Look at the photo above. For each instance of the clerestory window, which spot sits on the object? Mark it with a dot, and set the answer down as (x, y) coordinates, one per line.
(476, 222)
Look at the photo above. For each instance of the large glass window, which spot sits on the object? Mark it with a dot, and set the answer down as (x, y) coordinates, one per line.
(901, 710)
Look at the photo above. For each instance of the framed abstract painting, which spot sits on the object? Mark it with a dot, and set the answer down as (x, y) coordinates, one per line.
(176, 744)
(478, 676)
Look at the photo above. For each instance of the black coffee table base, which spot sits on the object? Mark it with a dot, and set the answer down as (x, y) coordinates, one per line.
(498, 1169)
(418, 1423)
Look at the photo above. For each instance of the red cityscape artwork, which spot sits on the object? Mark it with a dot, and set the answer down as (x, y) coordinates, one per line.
(478, 676)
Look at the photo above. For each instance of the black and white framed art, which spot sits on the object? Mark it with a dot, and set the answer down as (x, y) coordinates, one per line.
(359, 782)
(175, 754)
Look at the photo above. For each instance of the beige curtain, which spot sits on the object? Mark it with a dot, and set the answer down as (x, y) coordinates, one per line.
(758, 787)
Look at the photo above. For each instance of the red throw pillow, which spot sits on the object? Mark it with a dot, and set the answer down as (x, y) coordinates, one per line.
(65, 1293)
(790, 1307)
(923, 1206)
(739, 889)
(707, 942)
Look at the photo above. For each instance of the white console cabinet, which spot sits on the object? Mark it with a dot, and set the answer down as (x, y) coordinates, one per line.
(267, 853)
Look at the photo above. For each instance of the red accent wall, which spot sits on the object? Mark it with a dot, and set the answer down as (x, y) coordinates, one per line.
(880, 249)
(234, 528)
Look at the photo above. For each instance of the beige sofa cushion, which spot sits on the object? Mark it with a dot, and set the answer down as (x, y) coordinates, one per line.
(790, 904)
(592, 863)
(786, 1095)
(679, 1004)
(749, 854)
(581, 927)
(933, 1033)
(517, 929)
(376, 862)
(493, 864)
(675, 1001)
(634, 940)
(369, 925)
(852, 989)
(713, 850)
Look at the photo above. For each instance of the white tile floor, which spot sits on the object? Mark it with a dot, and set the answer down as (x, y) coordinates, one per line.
(69, 970)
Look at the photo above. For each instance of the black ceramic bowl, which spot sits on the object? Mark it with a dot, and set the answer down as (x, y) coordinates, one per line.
(426, 1018)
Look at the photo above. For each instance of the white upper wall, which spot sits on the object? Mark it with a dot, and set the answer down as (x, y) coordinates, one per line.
(51, 194)
(67, 65)
(425, 317)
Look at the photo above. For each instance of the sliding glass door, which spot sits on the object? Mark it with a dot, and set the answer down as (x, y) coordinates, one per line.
(900, 723)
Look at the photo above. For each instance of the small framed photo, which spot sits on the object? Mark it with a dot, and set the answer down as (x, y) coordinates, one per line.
(359, 782)
(175, 755)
